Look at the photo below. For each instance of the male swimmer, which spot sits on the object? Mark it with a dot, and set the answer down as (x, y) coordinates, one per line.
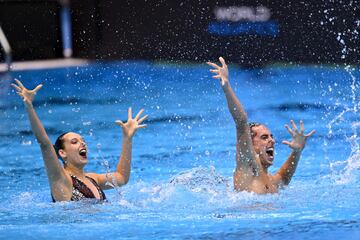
(69, 182)
(255, 145)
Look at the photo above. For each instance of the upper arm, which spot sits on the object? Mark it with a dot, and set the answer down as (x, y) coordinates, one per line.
(245, 156)
(284, 175)
(108, 180)
(60, 183)
(54, 168)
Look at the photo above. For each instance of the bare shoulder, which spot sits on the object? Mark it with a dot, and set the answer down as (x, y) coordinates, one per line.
(242, 179)
(104, 180)
(277, 180)
(94, 176)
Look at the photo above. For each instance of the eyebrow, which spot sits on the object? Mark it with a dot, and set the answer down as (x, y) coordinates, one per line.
(266, 135)
(75, 138)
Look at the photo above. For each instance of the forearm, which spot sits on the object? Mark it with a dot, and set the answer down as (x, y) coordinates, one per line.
(52, 165)
(288, 169)
(237, 111)
(124, 166)
(37, 127)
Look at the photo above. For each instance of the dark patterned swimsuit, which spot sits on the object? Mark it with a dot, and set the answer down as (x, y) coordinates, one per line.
(80, 191)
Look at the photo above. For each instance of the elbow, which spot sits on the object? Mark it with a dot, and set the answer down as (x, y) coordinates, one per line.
(285, 182)
(126, 180)
(122, 179)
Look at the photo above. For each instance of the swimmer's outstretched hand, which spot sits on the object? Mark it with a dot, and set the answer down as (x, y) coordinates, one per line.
(129, 128)
(298, 138)
(220, 72)
(27, 95)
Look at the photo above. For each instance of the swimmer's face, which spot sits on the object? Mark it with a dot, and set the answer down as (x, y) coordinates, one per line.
(75, 150)
(263, 143)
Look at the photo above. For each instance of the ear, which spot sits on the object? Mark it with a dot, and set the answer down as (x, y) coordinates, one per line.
(62, 153)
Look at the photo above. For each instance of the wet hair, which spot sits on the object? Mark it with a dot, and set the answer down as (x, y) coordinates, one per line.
(59, 144)
(251, 125)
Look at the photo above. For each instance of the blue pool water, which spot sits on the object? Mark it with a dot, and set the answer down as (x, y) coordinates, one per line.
(181, 180)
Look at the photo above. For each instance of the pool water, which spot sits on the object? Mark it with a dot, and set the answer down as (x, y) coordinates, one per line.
(181, 181)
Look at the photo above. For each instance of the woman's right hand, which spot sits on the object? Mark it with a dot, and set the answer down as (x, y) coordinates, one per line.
(27, 95)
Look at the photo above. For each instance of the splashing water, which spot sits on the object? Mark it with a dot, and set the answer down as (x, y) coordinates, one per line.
(201, 180)
(110, 180)
(342, 172)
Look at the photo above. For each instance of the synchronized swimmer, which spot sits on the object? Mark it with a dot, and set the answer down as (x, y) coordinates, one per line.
(254, 151)
(69, 182)
(255, 145)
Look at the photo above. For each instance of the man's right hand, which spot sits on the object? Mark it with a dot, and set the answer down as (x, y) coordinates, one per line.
(221, 72)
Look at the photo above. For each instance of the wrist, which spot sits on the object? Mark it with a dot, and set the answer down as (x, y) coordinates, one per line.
(127, 137)
(297, 151)
(226, 85)
(28, 105)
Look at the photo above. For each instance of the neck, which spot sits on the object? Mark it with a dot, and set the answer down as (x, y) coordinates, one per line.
(265, 169)
(75, 171)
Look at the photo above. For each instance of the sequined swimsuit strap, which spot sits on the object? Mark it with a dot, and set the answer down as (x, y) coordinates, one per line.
(101, 193)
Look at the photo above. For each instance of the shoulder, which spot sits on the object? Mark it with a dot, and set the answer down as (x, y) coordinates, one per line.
(243, 179)
(93, 176)
(277, 180)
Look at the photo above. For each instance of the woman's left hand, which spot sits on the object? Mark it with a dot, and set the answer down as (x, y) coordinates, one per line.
(129, 128)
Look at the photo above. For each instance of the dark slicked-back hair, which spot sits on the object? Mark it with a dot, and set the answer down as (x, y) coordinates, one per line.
(59, 144)
(251, 125)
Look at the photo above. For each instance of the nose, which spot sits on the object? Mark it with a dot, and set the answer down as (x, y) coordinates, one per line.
(272, 140)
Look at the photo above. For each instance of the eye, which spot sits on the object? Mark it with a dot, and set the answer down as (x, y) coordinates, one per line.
(74, 141)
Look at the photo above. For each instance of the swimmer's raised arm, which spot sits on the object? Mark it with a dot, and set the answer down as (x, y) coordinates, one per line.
(237, 111)
(245, 157)
(122, 174)
(297, 144)
(55, 172)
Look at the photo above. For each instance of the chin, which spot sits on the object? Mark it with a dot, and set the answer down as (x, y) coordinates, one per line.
(267, 163)
(83, 161)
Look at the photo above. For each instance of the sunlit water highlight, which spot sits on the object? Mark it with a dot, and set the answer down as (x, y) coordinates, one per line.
(181, 181)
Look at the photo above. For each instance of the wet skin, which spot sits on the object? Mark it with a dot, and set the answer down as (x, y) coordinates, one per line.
(255, 149)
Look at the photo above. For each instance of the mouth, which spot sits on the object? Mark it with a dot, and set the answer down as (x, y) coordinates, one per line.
(83, 153)
(270, 152)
